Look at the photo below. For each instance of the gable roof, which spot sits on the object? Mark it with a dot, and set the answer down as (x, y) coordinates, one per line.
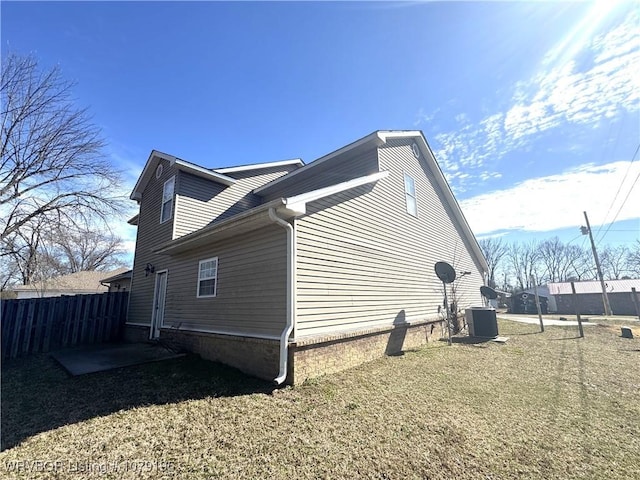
(80, 282)
(182, 165)
(375, 139)
(378, 139)
(118, 276)
(258, 216)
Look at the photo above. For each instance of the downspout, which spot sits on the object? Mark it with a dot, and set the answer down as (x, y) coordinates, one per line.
(291, 295)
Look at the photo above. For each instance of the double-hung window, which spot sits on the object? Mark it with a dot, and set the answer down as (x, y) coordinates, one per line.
(207, 277)
(167, 199)
(410, 195)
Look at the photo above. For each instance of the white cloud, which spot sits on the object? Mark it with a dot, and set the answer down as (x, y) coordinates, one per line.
(561, 92)
(557, 201)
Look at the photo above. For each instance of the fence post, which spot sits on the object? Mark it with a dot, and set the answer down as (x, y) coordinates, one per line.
(51, 319)
(77, 316)
(16, 331)
(26, 340)
(577, 307)
(101, 317)
(93, 318)
(8, 314)
(40, 323)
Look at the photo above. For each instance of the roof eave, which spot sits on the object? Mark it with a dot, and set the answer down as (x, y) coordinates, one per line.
(258, 166)
(182, 165)
(373, 138)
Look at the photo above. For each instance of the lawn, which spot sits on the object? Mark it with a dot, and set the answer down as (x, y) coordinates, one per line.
(541, 406)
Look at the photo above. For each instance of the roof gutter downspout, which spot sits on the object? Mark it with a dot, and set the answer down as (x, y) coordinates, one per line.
(291, 294)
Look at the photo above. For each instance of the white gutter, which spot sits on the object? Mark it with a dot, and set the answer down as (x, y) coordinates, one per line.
(291, 294)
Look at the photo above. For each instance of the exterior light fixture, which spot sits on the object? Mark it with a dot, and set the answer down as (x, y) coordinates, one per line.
(149, 269)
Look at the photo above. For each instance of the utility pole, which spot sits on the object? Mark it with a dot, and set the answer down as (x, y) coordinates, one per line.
(605, 298)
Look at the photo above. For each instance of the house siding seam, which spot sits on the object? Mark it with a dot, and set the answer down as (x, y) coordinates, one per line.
(203, 202)
(331, 172)
(150, 232)
(363, 261)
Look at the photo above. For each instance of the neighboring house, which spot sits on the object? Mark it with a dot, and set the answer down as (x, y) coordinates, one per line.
(288, 271)
(589, 296)
(120, 282)
(72, 284)
(525, 301)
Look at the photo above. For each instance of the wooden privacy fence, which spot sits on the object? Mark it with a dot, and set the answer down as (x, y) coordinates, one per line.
(33, 325)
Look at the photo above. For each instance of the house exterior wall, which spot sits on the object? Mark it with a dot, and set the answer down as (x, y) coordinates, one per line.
(363, 261)
(330, 172)
(123, 285)
(150, 234)
(365, 286)
(251, 286)
(201, 202)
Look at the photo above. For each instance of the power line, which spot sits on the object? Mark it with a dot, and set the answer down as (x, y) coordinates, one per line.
(620, 209)
(616, 196)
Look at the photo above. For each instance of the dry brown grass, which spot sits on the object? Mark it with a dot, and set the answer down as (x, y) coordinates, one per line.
(540, 406)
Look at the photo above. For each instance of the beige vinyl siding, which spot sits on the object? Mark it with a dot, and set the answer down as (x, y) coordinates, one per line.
(202, 202)
(328, 173)
(250, 292)
(363, 261)
(150, 234)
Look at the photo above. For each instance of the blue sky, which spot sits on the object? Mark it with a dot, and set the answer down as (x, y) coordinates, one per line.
(532, 109)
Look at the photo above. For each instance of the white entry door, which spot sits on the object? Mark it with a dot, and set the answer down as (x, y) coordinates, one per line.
(158, 304)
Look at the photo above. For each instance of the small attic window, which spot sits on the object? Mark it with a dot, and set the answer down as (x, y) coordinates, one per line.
(159, 171)
(416, 150)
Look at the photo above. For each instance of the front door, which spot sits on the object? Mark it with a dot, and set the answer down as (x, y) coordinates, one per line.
(158, 304)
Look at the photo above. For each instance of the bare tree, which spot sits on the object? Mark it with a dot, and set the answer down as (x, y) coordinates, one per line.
(52, 168)
(562, 261)
(524, 263)
(613, 261)
(551, 256)
(85, 249)
(53, 174)
(633, 260)
(493, 250)
(579, 263)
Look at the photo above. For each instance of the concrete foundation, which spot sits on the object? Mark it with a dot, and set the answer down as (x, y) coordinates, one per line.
(309, 357)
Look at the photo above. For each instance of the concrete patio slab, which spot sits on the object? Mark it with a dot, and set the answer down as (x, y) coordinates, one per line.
(98, 358)
(546, 322)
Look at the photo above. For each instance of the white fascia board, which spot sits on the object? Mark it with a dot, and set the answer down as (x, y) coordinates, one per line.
(211, 230)
(373, 137)
(257, 166)
(149, 167)
(298, 202)
(136, 193)
(385, 134)
(203, 172)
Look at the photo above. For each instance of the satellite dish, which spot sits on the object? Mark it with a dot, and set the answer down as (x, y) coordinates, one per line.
(445, 272)
(488, 292)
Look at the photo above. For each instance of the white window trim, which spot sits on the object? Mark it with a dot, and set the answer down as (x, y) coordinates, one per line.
(173, 194)
(408, 195)
(215, 285)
